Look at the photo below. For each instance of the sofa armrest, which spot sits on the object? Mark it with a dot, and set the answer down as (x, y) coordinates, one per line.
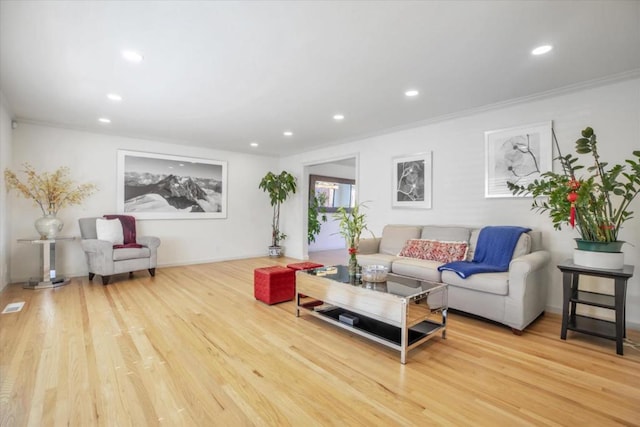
(97, 246)
(148, 241)
(369, 246)
(527, 296)
(521, 266)
(99, 254)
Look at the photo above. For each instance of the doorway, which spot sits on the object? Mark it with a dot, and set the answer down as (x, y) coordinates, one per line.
(334, 183)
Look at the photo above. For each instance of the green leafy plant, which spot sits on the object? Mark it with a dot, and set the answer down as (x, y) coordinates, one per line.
(317, 215)
(596, 203)
(351, 225)
(279, 188)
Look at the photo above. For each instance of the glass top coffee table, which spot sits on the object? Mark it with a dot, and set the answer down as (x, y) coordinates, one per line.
(401, 313)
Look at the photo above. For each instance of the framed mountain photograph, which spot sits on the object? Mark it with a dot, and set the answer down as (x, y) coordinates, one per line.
(161, 186)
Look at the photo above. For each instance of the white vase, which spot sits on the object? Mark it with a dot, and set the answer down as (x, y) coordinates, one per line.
(49, 226)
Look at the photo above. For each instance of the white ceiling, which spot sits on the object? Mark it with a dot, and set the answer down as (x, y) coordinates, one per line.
(223, 74)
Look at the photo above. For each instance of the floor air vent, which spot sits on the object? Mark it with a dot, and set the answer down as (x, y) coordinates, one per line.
(14, 307)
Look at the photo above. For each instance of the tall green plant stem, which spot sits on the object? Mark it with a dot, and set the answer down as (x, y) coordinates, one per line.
(279, 187)
(351, 224)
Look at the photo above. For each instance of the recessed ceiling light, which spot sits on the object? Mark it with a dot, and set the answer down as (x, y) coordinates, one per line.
(131, 56)
(541, 50)
(254, 144)
(338, 117)
(287, 133)
(412, 92)
(114, 97)
(104, 120)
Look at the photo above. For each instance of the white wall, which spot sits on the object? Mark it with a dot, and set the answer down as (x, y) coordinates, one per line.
(613, 111)
(5, 162)
(92, 158)
(328, 238)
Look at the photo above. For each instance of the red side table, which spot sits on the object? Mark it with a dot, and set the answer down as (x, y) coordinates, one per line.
(307, 265)
(272, 285)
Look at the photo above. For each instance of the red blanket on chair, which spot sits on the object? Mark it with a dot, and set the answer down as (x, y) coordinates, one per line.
(128, 228)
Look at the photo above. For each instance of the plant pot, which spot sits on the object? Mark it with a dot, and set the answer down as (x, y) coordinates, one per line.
(593, 259)
(275, 251)
(590, 245)
(607, 255)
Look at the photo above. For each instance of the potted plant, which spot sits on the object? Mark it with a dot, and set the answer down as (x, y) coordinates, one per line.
(351, 225)
(317, 215)
(279, 187)
(596, 203)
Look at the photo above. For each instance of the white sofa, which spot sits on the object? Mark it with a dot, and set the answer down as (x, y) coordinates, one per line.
(514, 298)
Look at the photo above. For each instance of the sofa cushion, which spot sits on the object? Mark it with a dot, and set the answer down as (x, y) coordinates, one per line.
(109, 230)
(523, 246)
(450, 234)
(130, 253)
(417, 268)
(435, 250)
(395, 236)
(128, 227)
(377, 259)
(493, 283)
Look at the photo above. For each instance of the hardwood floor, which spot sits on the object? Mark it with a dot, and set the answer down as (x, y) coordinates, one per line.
(192, 347)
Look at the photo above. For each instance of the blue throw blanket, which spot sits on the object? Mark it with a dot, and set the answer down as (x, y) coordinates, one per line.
(493, 252)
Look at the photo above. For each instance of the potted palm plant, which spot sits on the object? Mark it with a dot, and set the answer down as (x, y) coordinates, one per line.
(596, 203)
(279, 187)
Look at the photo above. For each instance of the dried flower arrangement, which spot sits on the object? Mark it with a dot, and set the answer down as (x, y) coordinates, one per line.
(51, 191)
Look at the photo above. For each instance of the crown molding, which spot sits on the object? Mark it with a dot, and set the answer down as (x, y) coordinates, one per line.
(589, 84)
(564, 90)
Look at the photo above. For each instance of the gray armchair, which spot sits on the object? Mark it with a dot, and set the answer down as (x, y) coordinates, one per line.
(105, 260)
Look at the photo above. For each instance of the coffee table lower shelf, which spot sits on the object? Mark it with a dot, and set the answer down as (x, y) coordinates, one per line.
(381, 332)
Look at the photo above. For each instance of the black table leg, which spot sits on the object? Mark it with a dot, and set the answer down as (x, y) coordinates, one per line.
(566, 298)
(620, 320)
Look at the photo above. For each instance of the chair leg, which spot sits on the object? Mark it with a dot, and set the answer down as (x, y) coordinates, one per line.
(105, 280)
(91, 275)
(152, 272)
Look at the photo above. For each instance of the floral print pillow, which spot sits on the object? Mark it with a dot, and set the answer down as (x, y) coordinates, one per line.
(435, 250)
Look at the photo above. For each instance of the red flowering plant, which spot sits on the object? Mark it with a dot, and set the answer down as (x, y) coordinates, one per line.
(596, 204)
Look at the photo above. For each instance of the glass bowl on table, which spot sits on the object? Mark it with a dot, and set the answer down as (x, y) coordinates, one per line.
(374, 273)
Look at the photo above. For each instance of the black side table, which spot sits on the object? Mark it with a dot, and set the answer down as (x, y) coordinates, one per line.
(572, 296)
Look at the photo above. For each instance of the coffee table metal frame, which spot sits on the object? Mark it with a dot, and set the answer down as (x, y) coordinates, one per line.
(417, 308)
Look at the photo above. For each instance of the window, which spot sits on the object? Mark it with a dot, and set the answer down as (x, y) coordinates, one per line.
(338, 192)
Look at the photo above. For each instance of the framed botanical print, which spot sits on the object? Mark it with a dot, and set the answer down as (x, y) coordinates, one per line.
(412, 181)
(518, 155)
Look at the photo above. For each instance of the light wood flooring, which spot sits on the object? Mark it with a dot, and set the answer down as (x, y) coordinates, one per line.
(191, 347)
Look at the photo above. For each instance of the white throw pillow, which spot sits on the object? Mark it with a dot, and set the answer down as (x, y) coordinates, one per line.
(110, 230)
